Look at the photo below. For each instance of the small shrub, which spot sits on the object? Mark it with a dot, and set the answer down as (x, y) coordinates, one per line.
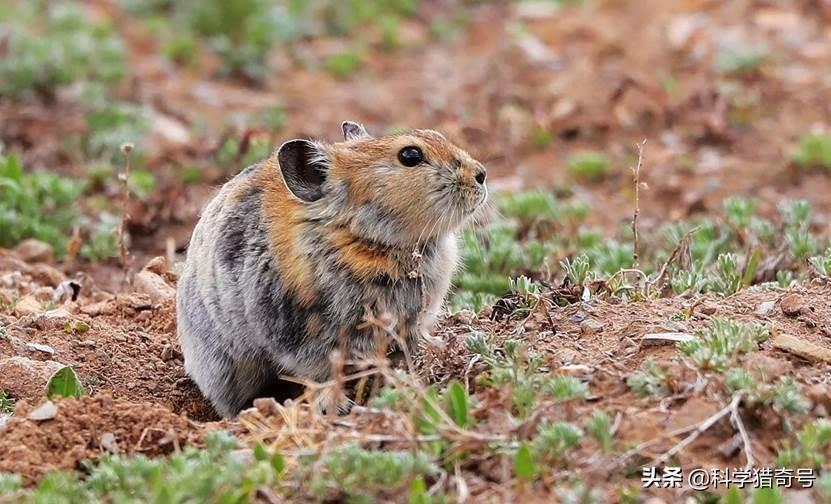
(553, 441)
(599, 427)
(589, 166)
(65, 50)
(343, 64)
(649, 381)
(354, 471)
(6, 403)
(189, 475)
(740, 59)
(717, 347)
(814, 151)
(36, 205)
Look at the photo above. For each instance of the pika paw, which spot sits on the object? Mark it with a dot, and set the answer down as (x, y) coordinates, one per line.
(294, 252)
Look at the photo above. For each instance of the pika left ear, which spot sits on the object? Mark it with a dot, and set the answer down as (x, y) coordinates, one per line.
(352, 130)
(304, 169)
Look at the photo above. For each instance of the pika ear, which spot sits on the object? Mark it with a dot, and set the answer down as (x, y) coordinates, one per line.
(304, 169)
(352, 130)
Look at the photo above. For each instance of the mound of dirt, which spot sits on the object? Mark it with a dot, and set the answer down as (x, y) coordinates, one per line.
(80, 429)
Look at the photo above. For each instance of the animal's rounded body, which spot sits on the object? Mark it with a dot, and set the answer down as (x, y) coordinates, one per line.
(308, 251)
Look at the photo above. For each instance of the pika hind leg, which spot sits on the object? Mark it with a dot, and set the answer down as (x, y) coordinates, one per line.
(227, 379)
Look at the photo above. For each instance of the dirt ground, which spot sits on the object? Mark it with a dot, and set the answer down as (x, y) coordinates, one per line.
(590, 76)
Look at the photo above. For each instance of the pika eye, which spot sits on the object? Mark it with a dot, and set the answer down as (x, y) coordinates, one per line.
(410, 156)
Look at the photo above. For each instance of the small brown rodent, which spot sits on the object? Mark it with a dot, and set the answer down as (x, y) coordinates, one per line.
(294, 251)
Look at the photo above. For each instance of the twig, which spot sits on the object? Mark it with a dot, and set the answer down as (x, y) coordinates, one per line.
(737, 419)
(124, 177)
(700, 429)
(636, 175)
(662, 274)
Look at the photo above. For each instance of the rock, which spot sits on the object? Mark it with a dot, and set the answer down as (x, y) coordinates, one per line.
(27, 306)
(666, 338)
(10, 263)
(154, 286)
(52, 319)
(108, 442)
(590, 327)
(37, 347)
(763, 309)
(100, 308)
(802, 348)
(11, 280)
(792, 305)
(33, 251)
(46, 411)
(47, 275)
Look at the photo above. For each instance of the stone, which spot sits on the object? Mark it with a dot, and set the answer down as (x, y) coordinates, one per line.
(47, 275)
(44, 412)
(792, 305)
(764, 308)
(37, 347)
(33, 251)
(28, 305)
(590, 327)
(154, 286)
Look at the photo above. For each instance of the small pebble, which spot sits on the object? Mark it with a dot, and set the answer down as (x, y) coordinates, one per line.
(46, 411)
(37, 347)
(791, 305)
(590, 327)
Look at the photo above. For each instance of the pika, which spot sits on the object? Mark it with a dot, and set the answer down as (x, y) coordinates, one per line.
(293, 252)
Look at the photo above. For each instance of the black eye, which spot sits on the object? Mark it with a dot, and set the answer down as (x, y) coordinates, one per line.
(410, 156)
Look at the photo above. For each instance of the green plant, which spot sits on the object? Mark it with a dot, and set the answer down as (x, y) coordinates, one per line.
(103, 242)
(814, 150)
(189, 475)
(35, 205)
(739, 379)
(717, 347)
(649, 381)
(553, 441)
(821, 264)
(353, 471)
(740, 59)
(343, 64)
(811, 446)
(578, 271)
(6, 403)
(599, 427)
(590, 166)
(64, 383)
(525, 467)
(65, 49)
(514, 367)
(787, 398)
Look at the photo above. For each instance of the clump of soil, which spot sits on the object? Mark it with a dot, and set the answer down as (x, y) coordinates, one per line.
(84, 428)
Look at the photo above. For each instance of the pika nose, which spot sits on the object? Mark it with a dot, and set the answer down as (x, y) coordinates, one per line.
(479, 175)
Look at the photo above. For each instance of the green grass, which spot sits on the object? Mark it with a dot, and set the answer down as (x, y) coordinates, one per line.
(57, 47)
(6, 403)
(343, 64)
(717, 347)
(38, 205)
(588, 166)
(814, 150)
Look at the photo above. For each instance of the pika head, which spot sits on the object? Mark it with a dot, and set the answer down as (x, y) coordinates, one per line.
(400, 189)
